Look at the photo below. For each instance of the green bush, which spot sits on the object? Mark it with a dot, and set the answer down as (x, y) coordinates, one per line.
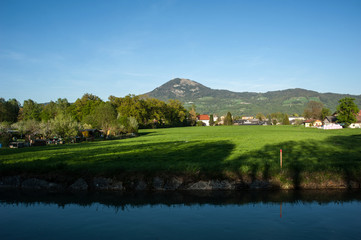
(200, 124)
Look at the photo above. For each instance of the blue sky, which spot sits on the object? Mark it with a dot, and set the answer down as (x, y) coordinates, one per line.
(62, 49)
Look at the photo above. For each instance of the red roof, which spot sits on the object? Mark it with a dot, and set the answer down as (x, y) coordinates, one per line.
(203, 117)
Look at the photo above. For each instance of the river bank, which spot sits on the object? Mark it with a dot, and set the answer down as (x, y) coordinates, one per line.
(171, 183)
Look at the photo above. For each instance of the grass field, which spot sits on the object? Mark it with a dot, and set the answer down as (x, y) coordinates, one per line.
(224, 151)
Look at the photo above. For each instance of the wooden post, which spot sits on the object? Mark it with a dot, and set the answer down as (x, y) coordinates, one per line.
(281, 158)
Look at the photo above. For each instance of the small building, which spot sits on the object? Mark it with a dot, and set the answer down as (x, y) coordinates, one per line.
(329, 120)
(247, 118)
(248, 122)
(294, 120)
(312, 123)
(357, 124)
(308, 123)
(203, 118)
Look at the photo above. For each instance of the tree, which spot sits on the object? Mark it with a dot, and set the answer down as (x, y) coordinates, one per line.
(48, 112)
(29, 128)
(192, 116)
(228, 119)
(347, 111)
(285, 120)
(83, 106)
(269, 120)
(325, 112)
(260, 116)
(177, 113)
(4, 135)
(277, 118)
(31, 110)
(104, 117)
(46, 129)
(211, 120)
(133, 125)
(313, 110)
(150, 112)
(9, 110)
(132, 106)
(64, 126)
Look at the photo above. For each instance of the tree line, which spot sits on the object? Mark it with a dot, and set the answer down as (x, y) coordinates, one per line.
(116, 116)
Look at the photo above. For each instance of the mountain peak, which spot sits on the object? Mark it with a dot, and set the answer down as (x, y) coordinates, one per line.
(178, 88)
(182, 82)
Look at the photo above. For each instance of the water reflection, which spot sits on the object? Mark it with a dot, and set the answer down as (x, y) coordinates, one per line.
(187, 198)
(281, 210)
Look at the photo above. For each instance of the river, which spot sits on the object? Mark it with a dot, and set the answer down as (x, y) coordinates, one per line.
(181, 215)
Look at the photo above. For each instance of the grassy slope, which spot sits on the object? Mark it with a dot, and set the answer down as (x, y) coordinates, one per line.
(235, 151)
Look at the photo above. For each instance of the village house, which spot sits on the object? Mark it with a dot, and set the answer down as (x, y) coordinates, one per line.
(357, 124)
(312, 123)
(247, 118)
(308, 123)
(329, 120)
(294, 120)
(204, 118)
(249, 122)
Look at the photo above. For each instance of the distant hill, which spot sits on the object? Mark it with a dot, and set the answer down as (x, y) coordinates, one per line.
(213, 101)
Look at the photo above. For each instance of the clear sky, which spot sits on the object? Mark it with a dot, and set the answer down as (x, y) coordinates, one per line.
(62, 49)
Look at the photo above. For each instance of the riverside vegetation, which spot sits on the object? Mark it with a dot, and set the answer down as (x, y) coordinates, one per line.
(311, 157)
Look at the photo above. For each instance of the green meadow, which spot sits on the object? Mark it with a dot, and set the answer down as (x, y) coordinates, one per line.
(246, 152)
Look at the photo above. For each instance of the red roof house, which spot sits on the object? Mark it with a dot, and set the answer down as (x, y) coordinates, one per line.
(204, 117)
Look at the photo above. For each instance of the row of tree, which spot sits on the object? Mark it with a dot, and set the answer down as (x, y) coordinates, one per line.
(115, 116)
(92, 110)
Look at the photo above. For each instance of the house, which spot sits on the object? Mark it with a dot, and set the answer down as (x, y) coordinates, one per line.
(329, 120)
(312, 123)
(247, 118)
(357, 124)
(203, 118)
(248, 122)
(294, 120)
(308, 123)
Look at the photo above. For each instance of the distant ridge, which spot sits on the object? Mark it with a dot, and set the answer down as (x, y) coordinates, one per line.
(214, 101)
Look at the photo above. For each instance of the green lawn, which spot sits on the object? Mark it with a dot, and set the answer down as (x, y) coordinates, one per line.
(234, 151)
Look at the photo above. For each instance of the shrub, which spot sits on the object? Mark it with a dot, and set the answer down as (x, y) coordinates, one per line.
(200, 124)
(132, 125)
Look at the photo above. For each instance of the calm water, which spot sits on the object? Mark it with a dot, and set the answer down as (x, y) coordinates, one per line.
(220, 215)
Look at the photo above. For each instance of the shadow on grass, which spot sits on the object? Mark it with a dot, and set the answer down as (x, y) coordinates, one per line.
(339, 155)
(116, 158)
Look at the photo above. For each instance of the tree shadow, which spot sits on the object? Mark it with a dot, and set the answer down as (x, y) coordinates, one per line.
(338, 155)
(201, 158)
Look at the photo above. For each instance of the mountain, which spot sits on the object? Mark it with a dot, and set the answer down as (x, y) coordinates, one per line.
(214, 101)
